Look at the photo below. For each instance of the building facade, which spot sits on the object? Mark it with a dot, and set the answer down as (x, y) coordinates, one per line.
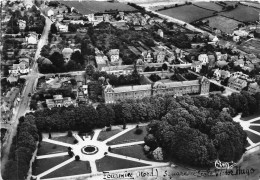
(112, 95)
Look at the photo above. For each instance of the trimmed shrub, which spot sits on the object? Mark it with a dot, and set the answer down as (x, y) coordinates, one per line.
(138, 131)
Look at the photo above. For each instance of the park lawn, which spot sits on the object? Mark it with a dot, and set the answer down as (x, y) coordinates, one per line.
(242, 13)
(49, 148)
(209, 5)
(256, 128)
(187, 13)
(253, 137)
(251, 117)
(73, 168)
(108, 163)
(253, 4)
(65, 139)
(103, 135)
(251, 46)
(89, 7)
(130, 136)
(42, 165)
(224, 24)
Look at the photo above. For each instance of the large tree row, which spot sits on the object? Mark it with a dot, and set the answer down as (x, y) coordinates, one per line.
(22, 148)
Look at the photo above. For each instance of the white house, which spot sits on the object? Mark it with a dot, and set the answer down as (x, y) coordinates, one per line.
(66, 52)
(240, 33)
(160, 33)
(49, 12)
(32, 39)
(217, 74)
(21, 24)
(114, 55)
(196, 66)
(203, 58)
(236, 38)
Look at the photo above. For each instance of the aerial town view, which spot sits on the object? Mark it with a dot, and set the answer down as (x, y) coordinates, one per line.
(120, 89)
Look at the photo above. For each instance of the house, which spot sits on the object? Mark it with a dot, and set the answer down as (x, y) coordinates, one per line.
(170, 58)
(113, 55)
(21, 24)
(221, 64)
(237, 83)
(101, 61)
(17, 69)
(239, 62)
(25, 61)
(225, 74)
(236, 38)
(240, 33)
(91, 17)
(217, 74)
(59, 101)
(66, 52)
(211, 60)
(49, 12)
(85, 90)
(196, 66)
(218, 55)
(121, 70)
(59, 17)
(99, 18)
(160, 33)
(62, 27)
(106, 17)
(203, 58)
(147, 56)
(159, 56)
(253, 88)
(32, 38)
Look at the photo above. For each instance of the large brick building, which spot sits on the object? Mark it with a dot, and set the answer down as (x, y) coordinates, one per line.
(112, 95)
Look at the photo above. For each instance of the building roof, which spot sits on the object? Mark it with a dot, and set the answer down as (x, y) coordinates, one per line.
(101, 59)
(57, 97)
(131, 88)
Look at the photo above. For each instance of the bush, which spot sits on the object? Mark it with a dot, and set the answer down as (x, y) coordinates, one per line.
(77, 158)
(75, 141)
(70, 153)
(69, 133)
(109, 129)
(138, 131)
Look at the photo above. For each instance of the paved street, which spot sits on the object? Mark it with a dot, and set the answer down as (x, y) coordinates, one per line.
(25, 100)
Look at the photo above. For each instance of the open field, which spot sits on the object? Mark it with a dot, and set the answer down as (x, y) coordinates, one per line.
(42, 165)
(252, 4)
(224, 24)
(209, 5)
(251, 46)
(130, 136)
(107, 134)
(65, 139)
(187, 13)
(73, 168)
(243, 13)
(254, 137)
(49, 148)
(88, 7)
(105, 164)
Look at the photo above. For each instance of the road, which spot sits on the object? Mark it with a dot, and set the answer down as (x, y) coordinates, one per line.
(23, 106)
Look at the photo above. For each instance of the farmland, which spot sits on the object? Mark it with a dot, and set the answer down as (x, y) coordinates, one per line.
(253, 4)
(243, 13)
(209, 5)
(224, 24)
(187, 13)
(88, 7)
(251, 46)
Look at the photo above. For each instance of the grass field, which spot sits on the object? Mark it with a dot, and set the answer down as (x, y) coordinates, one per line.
(187, 13)
(49, 148)
(256, 128)
(130, 136)
(88, 7)
(73, 168)
(209, 5)
(224, 24)
(254, 137)
(251, 46)
(107, 134)
(108, 163)
(42, 165)
(65, 139)
(243, 13)
(253, 4)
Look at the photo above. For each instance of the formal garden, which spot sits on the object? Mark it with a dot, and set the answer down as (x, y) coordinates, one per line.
(134, 134)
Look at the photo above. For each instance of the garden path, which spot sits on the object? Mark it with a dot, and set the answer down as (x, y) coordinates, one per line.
(52, 155)
(57, 142)
(127, 144)
(118, 134)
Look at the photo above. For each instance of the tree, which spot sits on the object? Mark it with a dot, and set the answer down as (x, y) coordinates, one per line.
(57, 59)
(164, 66)
(77, 57)
(90, 69)
(53, 29)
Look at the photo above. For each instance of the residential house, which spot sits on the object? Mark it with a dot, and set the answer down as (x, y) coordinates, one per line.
(91, 17)
(99, 18)
(85, 90)
(49, 12)
(21, 24)
(121, 70)
(59, 101)
(24, 61)
(32, 38)
(211, 60)
(113, 55)
(225, 74)
(203, 58)
(62, 27)
(236, 38)
(221, 64)
(239, 62)
(218, 55)
(159, 56)
(147, 56)
(106, 17)
(59, 17)
(101, 61)
(217, 74)
(17, 69)
(196, 66)
(253, 88)
(240, 33)
(237, 83)
(160, 33)
(170, 57)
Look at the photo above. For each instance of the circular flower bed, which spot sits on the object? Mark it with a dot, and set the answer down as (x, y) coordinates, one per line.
(88, 150)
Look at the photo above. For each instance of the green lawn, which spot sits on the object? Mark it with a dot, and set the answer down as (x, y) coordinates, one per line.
(42, 165)
(224, 24)
(256, 128)
(130, 136)
(251, 117)
(209, 5)
(243, 13)
(103, 135)
(65, 139)
(108, 163)
(253, 137)
(187, 13)
(49, 148)
(73, 168)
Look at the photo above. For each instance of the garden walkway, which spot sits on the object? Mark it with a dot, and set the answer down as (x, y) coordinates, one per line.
(118, 134)
(127, 144)
(52, 155)
(57, 142)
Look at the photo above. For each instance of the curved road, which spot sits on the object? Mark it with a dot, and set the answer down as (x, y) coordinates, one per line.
(23, 106)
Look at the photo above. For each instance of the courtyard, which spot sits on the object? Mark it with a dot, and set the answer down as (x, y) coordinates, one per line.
(113, 150)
